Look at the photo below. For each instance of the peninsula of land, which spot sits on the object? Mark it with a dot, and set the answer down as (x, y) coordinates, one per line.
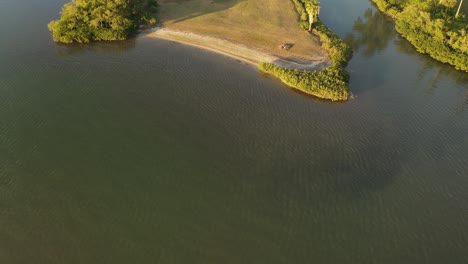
(284, 38)
(239, 50)
(251, 30)
(267, 33)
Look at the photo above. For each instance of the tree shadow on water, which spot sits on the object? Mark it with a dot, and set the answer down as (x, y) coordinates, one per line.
(436, 71)
(371, 34)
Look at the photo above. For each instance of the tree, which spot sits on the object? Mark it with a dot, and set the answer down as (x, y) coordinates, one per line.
(313, 9)
(449, 3)
(459, 7)
(94, 20)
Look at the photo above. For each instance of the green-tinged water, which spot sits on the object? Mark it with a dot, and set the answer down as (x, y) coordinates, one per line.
(148, 151)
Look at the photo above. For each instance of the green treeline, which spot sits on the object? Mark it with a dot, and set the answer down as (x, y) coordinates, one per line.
(433, 27)
(303, 17)
(330, 83)
(94, 20)
(338, 50)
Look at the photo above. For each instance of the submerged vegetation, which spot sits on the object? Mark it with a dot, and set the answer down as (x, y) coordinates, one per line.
(94, 20)
(330, 83)
(434, 27)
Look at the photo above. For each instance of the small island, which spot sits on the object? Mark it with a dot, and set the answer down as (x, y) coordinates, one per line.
(284, 38)
(433, 27)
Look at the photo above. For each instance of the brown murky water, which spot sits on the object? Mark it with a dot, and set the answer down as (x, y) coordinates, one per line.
(147, 151)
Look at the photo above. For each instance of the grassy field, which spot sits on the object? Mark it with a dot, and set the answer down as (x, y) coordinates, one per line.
(262, 24)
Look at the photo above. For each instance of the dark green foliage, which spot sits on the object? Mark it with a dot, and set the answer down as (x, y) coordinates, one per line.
(330, 83)
(302, 11)
(94, 20)
(303, 17)
(338, 50)
(431, 26)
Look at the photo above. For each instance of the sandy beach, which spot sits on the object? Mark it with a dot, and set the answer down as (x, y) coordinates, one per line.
(252, 31)
(235, 50)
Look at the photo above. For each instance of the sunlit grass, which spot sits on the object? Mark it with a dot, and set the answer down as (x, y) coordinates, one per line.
(262, 24)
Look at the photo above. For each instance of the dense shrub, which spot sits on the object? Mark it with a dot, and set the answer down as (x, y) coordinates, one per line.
(330, 83)
(432, 28)
(303, 17)
(338, 50)
(93, 20)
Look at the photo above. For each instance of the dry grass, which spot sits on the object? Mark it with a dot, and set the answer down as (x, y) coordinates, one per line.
(261, 24)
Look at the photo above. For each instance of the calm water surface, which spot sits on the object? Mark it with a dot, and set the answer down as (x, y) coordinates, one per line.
(147, 151)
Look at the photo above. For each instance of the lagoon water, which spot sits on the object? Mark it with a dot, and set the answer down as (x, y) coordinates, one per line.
(148, 151)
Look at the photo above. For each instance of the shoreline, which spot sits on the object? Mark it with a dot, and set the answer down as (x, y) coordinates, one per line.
(228, 48)
(425, 41)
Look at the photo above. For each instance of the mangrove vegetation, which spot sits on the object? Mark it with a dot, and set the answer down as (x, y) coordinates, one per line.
(329, 83)
(94, 20)
(434, 27)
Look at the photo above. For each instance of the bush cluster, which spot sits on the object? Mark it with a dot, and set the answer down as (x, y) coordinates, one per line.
(432, 28)
(303, 17)
(338, 50)
(93, 20)
(330, 83)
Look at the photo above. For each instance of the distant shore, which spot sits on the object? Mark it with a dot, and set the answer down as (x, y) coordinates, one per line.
(234, 50)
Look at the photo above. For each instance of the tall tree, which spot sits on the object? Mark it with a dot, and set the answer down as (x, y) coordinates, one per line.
(94, 20)
(313, 9)
(459, 7)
